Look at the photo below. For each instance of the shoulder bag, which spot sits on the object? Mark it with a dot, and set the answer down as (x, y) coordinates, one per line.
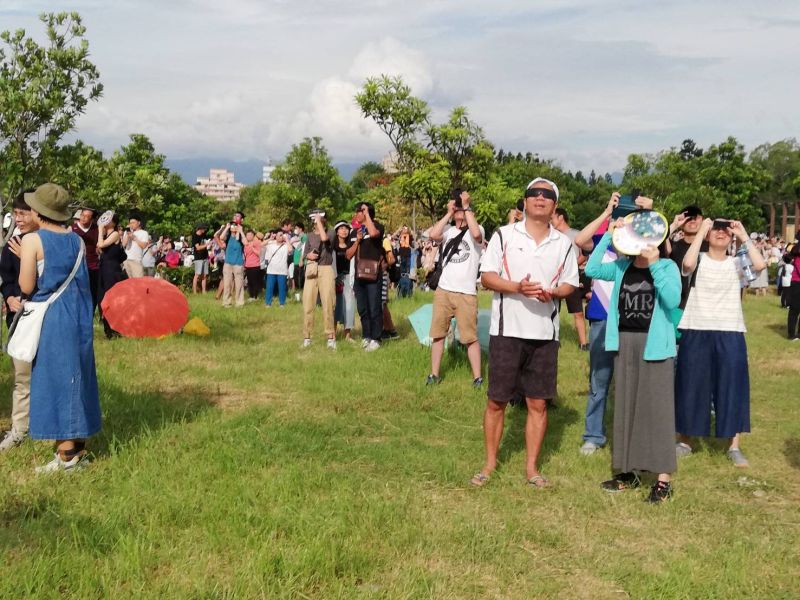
(23, 335)
(432, 280)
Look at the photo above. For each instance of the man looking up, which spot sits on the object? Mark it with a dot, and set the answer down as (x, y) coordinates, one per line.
(367, 246)
(9, 286)
(689, 221)
(233, 271)
(457, 295)
(200, 247)
(86, 228)
(529, 266)
(134, 240)
(560, 221)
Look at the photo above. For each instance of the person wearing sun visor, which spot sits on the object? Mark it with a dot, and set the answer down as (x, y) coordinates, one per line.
(529, 265)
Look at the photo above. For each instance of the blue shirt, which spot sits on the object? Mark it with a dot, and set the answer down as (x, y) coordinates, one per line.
(234, 253)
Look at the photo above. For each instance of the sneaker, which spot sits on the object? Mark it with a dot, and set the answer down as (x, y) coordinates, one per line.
(660, 492)
(306, 343)
(433, 380)
(372, 346)
(621, 482)
(584, 347)
(12, 439)
(682, 449)
(477, 382)
(331, 344)
(589, 448)
(78, 462)
(390, 335)
(737, 458)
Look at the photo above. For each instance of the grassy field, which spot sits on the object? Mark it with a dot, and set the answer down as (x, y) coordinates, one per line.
(240, 466)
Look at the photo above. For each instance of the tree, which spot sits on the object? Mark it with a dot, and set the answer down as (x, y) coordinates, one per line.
(43, 89)
(368, 176)
(462, 144)
(690, 150)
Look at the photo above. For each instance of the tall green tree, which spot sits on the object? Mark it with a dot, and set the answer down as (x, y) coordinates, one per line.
(43, 89)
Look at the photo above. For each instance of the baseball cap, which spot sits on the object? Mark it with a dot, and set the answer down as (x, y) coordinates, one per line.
(543, 180)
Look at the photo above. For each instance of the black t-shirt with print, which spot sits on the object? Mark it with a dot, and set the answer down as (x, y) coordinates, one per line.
(342, 264)
(371, 248)
(636, 299)
(199, 254)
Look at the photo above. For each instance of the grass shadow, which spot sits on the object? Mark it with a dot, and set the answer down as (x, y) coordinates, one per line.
(791, 451)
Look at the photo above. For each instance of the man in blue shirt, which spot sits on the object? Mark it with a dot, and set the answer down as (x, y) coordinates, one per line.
(233, 271)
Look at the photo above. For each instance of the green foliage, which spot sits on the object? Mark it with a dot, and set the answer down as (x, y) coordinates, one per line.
(43, 89)
(781, 162)
(366, 177)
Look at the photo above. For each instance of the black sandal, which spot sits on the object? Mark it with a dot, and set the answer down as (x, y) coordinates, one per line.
(621, 482)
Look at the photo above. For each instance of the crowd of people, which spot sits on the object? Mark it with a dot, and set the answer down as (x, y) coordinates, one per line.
(666, 324)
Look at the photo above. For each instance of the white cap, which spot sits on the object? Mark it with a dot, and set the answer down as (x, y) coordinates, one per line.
(543, 180)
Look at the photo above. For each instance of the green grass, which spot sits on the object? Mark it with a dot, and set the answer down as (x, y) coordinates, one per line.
(240, 466)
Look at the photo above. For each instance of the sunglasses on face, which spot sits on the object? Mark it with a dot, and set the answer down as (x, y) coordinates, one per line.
(543, 192)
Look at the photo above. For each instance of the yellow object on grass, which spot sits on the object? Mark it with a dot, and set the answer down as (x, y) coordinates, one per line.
(195, 326)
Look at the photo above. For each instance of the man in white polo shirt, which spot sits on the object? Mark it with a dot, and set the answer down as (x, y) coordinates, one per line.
(530, 266)
(134, 240)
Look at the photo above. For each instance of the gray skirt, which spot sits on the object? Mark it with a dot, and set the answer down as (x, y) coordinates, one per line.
(644, 410)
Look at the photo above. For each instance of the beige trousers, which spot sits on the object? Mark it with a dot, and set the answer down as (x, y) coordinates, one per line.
(21, 396)
(133, 268)
(324, 285)
(233, 284)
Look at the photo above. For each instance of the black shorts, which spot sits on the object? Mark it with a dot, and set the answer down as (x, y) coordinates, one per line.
(519, 366)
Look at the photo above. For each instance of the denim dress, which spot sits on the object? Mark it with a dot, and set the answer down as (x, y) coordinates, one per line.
(65, 403)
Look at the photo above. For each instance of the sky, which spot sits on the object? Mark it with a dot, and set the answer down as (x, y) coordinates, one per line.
(583, 82)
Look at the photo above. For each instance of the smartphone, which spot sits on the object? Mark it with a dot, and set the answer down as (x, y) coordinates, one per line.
(458, 202)
(626, 205)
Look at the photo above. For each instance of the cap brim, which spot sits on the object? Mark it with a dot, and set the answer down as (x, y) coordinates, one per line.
(33, 201)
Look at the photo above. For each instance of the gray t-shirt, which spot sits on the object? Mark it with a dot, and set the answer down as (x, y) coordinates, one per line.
(315, 244)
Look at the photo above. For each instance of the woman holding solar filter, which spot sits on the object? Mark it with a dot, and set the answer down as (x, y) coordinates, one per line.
(647, 289)
(712, 360)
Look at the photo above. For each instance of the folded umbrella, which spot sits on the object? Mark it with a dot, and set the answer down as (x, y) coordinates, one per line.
(145, 307)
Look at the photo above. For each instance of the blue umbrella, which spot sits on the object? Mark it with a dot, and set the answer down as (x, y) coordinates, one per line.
(484, 322)
(420, 320)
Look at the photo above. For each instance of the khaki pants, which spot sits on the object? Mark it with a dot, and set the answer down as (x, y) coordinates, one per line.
(233, 284)
(21, 396)
(323, 284)
(133, 268)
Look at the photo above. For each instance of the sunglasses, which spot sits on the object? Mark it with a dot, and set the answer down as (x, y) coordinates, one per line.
(544, 192)
(721, 224)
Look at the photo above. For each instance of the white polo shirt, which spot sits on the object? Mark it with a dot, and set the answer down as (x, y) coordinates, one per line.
(551, 263)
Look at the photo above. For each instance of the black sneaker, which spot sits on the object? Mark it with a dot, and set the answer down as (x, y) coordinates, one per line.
(660, 492)
(621, 482)
(390, 335)
(433, 380)
(477, 382)
(584, 347)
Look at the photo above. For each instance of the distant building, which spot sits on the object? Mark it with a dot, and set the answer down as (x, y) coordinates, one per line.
(266, 171)
(219, 184)
(389, 163)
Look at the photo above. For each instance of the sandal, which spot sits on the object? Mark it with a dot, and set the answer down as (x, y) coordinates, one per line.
(538, 482)
(479, 480)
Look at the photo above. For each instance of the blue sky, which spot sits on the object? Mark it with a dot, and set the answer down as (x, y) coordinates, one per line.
(585, 82)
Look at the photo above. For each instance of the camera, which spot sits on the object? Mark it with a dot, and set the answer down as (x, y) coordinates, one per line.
(316, 213)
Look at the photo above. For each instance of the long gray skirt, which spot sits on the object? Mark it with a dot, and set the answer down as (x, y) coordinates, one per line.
(644, 410)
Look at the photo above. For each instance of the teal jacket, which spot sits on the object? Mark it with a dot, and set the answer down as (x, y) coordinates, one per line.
(660, 343)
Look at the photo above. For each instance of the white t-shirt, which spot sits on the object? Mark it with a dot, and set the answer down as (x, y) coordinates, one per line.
(460, 274)
(134, 251)
(551, 263)
(786, 279)
(715, 302)
(278, 259)
(148, 257)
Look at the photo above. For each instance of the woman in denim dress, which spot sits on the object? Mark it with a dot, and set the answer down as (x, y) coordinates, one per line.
(65, 404)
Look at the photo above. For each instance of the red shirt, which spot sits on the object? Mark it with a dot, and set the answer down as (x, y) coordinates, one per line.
(90, 241)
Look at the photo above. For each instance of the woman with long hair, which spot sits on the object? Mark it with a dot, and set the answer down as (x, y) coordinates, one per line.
(65, 403)
(647, 289)
(112, 255)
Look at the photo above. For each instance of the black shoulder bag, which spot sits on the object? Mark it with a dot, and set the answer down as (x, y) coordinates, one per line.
(432, 280)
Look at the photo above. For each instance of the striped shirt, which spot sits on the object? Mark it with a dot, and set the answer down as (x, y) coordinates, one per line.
(715, 302)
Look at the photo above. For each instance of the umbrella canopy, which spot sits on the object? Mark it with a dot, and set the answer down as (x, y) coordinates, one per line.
(420, 320)
(145, 307)
(484, 323)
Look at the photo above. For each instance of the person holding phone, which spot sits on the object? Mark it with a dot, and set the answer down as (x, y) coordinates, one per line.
(687, 222)
(366, 239)
(712, 359)
(320, 280)
(233, 271)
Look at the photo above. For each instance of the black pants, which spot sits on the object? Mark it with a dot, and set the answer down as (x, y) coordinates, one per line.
(254, 281)
(794, 310)
(370, 310)
(94, 283)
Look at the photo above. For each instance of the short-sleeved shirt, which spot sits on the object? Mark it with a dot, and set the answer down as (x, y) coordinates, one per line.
(342, 262)
(460, 274)
(679, 250)
(234, 251)
(201, 254)
(134, 251)
(551, 262)
(637, 297)
(715, 301)
(315, 244)
(371, 248)
(597, 308)
(89, 237)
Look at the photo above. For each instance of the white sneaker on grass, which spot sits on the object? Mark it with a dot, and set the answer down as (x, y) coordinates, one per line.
(682, 449)
(737, 458)
(365, 343)
(77, 463)
(331, 344)
(589, 448)
(306, 343)
(372, 346)
(12, 439)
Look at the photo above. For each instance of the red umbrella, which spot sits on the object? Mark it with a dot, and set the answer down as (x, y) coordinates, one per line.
(145, 307)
